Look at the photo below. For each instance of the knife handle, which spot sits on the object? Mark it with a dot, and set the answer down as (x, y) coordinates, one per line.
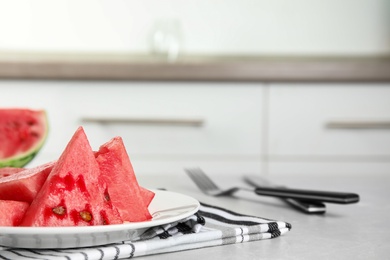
(309, 195)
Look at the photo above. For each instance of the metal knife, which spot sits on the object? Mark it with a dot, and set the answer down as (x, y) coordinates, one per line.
(309, 207)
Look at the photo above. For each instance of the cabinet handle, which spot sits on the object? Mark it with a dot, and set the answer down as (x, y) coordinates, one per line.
(358, 124)
(195, 122)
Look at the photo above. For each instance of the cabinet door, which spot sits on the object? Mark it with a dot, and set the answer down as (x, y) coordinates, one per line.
(330, 120)
(226, 133)
(325, 128)
(172, 119)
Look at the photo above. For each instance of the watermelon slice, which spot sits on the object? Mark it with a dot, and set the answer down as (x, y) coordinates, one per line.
(8, 171)
(12, 212)
(22, 134)
(118, 174)
(72, 194)
(24, 184)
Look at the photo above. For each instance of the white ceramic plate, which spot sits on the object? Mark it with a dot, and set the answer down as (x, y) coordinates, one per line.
(166, 207)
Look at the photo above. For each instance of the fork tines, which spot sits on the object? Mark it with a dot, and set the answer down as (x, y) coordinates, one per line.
(201, 179)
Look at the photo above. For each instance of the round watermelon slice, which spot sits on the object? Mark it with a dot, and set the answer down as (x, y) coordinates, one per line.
(22, 134)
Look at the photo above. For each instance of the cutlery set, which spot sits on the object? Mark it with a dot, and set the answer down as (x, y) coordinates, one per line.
(309, 201)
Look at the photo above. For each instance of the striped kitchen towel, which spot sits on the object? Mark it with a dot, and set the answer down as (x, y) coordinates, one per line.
(210, 226)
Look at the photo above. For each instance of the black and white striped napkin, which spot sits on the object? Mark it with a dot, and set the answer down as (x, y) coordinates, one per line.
(210, 226)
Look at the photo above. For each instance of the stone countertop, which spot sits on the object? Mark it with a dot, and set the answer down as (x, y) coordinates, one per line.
(124, 66)
(353, 231)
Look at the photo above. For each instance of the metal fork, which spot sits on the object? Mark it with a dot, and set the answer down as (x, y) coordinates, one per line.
(206, 185)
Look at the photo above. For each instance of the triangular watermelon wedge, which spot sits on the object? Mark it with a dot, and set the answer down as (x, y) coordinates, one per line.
(117, 172)
(72, 194)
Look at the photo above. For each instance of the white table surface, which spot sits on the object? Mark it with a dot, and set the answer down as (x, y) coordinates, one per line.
(354, 231)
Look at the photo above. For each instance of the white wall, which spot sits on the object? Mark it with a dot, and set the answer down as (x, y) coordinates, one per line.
(318, 27)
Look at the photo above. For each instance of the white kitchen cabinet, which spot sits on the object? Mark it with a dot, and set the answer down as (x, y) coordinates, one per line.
(328, 127)
(224, 128)
(165, 126)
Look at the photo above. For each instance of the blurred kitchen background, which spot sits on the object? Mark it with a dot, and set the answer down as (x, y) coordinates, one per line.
(301, 27)
(231, 86)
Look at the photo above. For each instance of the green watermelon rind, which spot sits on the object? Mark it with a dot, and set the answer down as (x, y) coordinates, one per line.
(20, 160)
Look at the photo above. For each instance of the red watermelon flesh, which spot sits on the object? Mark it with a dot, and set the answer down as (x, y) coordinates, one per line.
(147, 195)
(117, 172)
(71, 195)
(12, 212)
(25, 184)
(7, 171)
(28, 183)
(22, 134)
